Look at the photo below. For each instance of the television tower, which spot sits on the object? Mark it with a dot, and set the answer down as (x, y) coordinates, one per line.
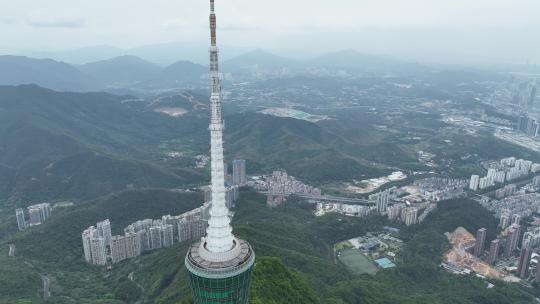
(219, 265)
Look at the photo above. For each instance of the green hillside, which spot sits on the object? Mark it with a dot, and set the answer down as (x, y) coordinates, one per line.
(80, 146)
(307, 150)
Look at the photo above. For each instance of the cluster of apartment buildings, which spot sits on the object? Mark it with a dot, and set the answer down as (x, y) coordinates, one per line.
(398, 211)
(408, 215)
(345, 209)
(100, 246)
(282, 183)
(505, 247)
(38, 214)
(528, 126)
(279, 185)
(508, 170)
(439, 188)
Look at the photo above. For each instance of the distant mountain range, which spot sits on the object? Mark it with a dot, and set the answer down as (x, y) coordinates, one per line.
(121, 71)
(128, 72)
(16, 70)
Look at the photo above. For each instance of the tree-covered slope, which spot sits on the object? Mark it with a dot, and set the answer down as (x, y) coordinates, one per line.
(80, 146)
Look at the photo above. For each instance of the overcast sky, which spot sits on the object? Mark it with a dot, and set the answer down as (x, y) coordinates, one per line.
(468, 30)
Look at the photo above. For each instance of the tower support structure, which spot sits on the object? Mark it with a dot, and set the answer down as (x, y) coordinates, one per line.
(219, 265)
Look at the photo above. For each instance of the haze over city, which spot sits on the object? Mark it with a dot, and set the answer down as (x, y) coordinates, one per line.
(472, 32)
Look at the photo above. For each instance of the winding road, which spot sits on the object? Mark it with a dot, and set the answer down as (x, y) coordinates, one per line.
(130, 277)
(45, 279)
(46, 283)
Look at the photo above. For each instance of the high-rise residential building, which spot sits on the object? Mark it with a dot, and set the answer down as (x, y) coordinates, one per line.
(531, 238)
(493, 251)
(104, 230)
(35, 215)
(39, 213)
(184, 230)
(118, 248)
(382, 201)
(21, 221)
(230, 194)
(505, 219)
(155, 237)
(133, 245)
(524, 262)
(87, 237)
(99, 251)
(239, 172)
(198, 228)
(167, 235)
(485, 182)
(394, 211)
(512, 240)
(474, 183)
(480, 240)
(516, 219)
(220, 265)
(410, 216)
(144, 240)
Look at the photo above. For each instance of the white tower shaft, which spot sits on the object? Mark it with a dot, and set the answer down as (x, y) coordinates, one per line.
(219, 236)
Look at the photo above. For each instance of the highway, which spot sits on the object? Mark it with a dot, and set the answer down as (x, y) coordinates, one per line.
(11, 250)
(324, 198)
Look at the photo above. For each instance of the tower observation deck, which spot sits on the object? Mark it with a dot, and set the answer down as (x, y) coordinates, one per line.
(219, 265)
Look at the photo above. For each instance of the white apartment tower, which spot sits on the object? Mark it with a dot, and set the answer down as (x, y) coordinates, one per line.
(475, 181)
(21, 222)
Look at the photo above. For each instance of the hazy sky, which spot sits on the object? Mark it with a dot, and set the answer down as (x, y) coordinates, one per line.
(489, 30)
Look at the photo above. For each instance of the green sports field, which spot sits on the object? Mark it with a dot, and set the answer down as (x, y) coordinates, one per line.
(356, 262)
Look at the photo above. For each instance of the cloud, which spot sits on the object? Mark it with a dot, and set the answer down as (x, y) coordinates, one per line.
(56, 23)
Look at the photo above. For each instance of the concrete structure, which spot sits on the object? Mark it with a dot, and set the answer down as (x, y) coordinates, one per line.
(21, 221)
(220, 265)
(239, 177)
(493, 251)
(524, 263)
(480, 240)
